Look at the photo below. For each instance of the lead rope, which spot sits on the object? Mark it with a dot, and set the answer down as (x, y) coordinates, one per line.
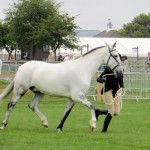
(118, 95)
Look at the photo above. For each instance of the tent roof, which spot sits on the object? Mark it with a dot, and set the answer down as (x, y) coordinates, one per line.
(125, 46)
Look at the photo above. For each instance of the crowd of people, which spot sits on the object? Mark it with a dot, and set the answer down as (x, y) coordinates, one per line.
(59, 57)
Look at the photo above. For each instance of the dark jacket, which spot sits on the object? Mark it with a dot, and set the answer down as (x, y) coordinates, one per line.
(110, 81)
(60, 58)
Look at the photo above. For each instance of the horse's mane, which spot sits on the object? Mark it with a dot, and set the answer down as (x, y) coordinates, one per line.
(92, 50)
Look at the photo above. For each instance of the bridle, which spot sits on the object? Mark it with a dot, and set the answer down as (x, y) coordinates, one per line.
(113, 57)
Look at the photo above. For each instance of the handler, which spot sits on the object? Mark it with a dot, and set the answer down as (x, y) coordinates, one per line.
(109, 91)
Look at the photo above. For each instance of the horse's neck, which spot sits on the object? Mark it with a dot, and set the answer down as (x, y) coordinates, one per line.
(91, 62)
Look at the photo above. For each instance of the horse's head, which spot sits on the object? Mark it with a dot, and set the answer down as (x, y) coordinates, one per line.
(113, 60)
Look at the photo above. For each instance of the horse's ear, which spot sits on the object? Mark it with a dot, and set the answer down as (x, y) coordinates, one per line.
(114, 44)
(107, 46)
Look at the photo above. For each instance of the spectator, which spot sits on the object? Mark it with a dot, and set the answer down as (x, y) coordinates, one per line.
(125, 63)
(66, 58)
(11, 57)
(51, 57)
(25, 56)
(60, 58)
(72, 56)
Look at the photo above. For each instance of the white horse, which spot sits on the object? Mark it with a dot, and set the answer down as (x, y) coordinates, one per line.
(69, 79)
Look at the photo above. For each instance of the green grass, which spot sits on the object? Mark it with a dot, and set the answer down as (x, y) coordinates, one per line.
(130, 130)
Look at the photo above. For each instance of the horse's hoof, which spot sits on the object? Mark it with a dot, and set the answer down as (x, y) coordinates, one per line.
(92, 129)
(59, 130)
(45, 126)
(2, 127)
(93, 126)
(45, 123)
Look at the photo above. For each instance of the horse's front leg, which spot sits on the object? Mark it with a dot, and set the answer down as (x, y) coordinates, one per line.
(66, 114)
(82, 99)
(93, 119)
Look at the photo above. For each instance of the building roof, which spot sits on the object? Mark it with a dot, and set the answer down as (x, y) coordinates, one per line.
(111, 33)
(87, 33)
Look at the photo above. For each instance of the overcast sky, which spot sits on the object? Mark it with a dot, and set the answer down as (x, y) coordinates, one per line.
(94, 14)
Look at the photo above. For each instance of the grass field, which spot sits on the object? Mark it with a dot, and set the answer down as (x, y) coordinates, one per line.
(129, 131)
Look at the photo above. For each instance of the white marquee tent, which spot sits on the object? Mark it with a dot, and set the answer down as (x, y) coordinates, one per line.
(4, 54)
(125, 46)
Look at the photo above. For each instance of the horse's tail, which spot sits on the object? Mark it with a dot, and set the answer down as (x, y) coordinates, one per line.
(6, 91)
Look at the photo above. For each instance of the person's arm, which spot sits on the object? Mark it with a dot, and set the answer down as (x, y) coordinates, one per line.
(100, 79)
(120, 82)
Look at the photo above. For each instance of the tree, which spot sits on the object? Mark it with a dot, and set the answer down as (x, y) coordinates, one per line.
(4, 39)
(1, 34)
(138, 28)
(36, 23)
(60, 34)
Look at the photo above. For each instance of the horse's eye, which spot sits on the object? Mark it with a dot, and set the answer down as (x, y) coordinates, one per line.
(115, 56)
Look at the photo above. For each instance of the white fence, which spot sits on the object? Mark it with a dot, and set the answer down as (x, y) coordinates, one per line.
(11, 66)
(137, 84)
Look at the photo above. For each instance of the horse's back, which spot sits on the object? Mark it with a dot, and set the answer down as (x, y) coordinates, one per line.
(28, 67)
(45, 75)
(27, 70)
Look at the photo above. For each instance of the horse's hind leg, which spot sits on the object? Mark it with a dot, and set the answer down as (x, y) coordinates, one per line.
(66, 114)
(34, 107)
(10, 107)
